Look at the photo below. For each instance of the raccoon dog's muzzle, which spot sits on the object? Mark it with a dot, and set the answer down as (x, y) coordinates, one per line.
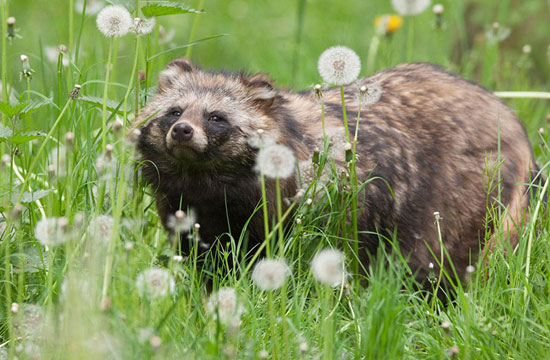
(184, 137)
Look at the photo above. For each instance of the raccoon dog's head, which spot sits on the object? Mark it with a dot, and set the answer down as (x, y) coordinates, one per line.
(202, 120)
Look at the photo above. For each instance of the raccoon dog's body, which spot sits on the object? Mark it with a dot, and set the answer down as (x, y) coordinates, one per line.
(430, 136)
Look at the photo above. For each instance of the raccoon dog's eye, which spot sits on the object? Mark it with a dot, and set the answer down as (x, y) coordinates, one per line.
(216, 118)
(175, 113)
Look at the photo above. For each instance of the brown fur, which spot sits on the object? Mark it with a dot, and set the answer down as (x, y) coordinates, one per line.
(428, 137)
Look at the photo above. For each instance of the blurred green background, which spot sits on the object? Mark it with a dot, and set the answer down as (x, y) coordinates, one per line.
(261, 36)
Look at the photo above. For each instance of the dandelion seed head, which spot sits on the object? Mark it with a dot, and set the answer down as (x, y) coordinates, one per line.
(58, 159)
(410, 7)
(470, 269)
(270, 274)
(11, 21)
(101, 227)
(276, 161)
(182, 222)
(143, 26)
(51, 231)
(6, 159)
(24, 58)
(438, 9)
(92, 6)
(526, 49)
(114, 21)
(303, 347)
(339, 65)
(52, 54)
(263, 354)
(14, 308)
(445, 325)
(328, 267)
(224, 305)
(369, 94)
(31, 320)
(128, 246)
(431, 265)
(155, 341)
(155, 282)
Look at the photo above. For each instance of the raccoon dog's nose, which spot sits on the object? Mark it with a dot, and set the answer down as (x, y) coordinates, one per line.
(182, 132)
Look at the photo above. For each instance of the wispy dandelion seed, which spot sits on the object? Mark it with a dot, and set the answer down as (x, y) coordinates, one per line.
(276, 161)
(52, 231)
(328, 267)
(224, 305)
(155, 282)
(339, 65)
(143, 26)
(410, 7)
(270, 274)
(114, 21)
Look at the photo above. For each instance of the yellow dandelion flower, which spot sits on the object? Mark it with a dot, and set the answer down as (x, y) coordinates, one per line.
(387, 24)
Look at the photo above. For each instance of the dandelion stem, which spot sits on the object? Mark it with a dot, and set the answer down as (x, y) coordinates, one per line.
(266, 215)
(280, 217)
(344, 113)
(194, 29)
(373, 50)
(4, 8)
(36, 156)
(132, 76)
(105, 93)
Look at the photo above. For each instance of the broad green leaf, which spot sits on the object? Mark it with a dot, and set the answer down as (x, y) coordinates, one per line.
(25, 137)
(11, 110)
(5, 132)
(28, 197)
(35, 105)
(128, 4)
(112, 106)
(161, 8)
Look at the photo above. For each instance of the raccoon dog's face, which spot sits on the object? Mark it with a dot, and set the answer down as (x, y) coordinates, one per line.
(203, 120)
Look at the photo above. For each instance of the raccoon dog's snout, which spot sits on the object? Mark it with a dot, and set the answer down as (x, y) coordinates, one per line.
(182, 132)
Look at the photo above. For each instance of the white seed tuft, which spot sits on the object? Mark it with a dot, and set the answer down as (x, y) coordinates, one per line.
(114, 21)
(276, 161)
(339, 65)
(270, 274)
(155, 283)
(224, 305)
(328, 267)
(410, 7)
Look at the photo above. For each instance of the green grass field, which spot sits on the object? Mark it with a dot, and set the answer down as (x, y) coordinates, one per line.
(66, 158)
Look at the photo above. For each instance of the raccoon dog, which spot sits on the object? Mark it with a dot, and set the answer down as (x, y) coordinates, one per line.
(429, 134)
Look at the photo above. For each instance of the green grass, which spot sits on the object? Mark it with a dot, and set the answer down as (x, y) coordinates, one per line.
(80, 300)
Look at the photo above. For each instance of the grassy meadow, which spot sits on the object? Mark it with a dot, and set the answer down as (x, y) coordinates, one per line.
(80, 237)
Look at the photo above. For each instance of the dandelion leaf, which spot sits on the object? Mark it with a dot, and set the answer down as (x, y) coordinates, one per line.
(28, 197)
(11, 110)
(112, 106)
(161, 8)
(5, 132)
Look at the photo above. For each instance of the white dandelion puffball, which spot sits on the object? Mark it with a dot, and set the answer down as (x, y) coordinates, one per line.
(155, 282)
(276, 161)
(92, 6)
(143, 26)
(328, 267)
(339, 65)
(114, 21)
(51, 231)
(224, 305)
(410, 7)
(101, 227)
(369, 94)
(270, 274)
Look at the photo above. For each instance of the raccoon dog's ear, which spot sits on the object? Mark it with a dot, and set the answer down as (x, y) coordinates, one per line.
(171, 72)
(260, 89)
